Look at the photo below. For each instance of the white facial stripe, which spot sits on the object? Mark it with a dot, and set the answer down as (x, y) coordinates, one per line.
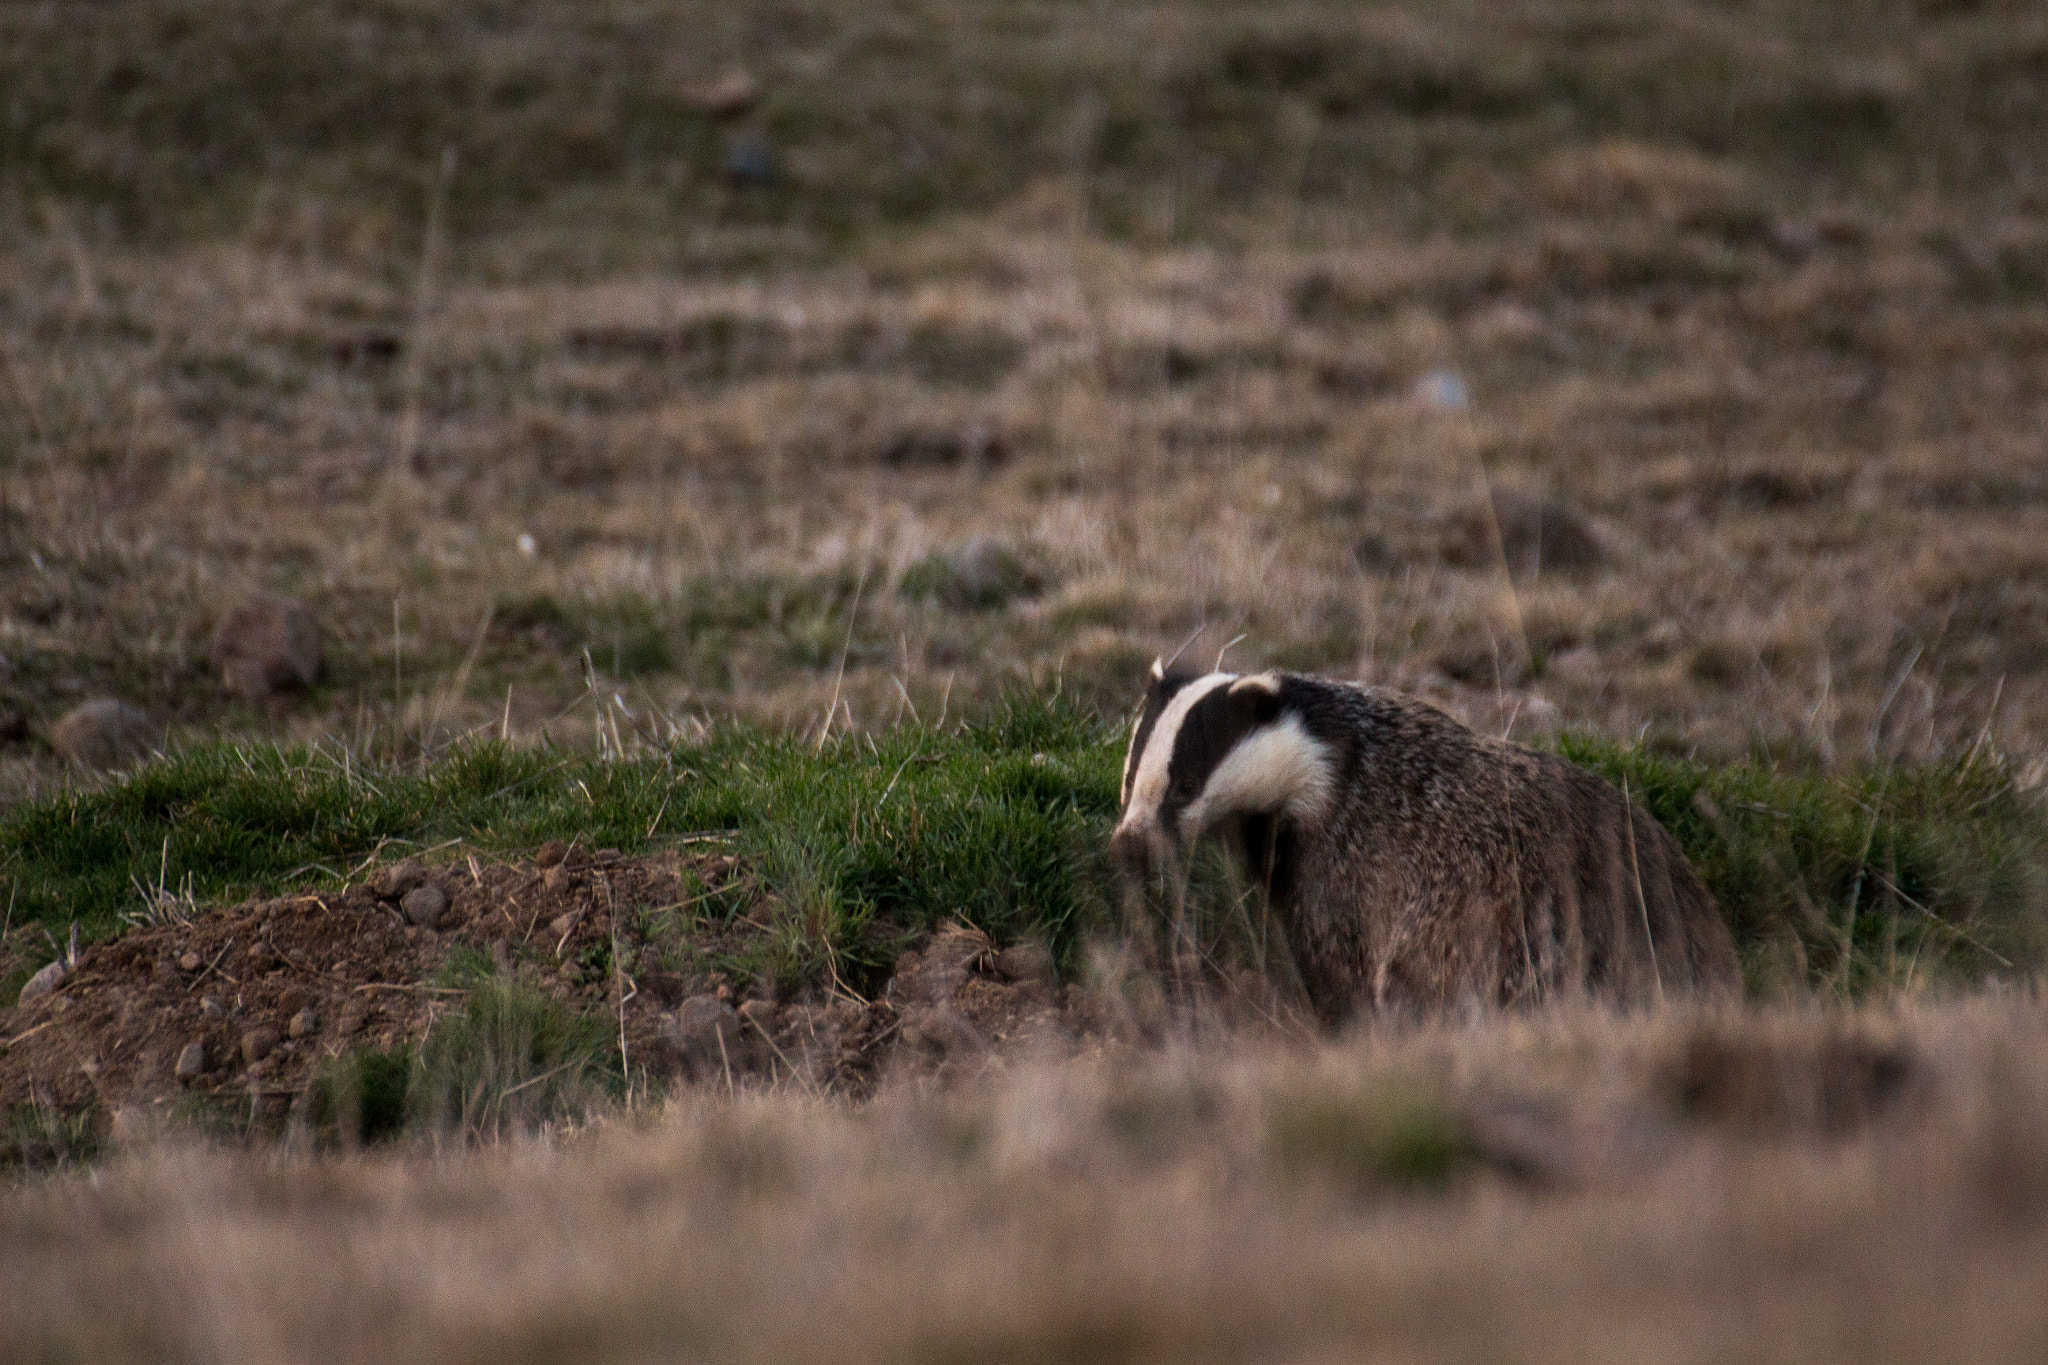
(1279, 767)
(1148, 789)
(1131, 751)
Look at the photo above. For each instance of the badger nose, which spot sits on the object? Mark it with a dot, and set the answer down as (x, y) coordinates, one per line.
(1139, 850)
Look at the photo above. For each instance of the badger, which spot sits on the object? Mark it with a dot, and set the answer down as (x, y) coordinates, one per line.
(1415, 865)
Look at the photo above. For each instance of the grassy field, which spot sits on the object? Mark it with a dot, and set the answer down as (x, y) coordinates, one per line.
(797, 426)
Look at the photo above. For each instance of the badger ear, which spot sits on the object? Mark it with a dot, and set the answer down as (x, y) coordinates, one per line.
(1260, 692)
(1158, 669)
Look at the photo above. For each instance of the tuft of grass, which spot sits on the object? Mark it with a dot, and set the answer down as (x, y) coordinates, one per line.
(509, 1062)
(1392, 1136)
(360, 1097)
(38, 1138)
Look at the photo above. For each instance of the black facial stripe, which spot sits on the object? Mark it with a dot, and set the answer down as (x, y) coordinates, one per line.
(1162, 692)
(1212, 727)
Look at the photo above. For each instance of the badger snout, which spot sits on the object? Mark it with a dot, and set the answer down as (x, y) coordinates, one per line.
(1129, 846)
(1139, 849)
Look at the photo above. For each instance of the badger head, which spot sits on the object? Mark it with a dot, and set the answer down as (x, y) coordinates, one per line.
(1209, 748)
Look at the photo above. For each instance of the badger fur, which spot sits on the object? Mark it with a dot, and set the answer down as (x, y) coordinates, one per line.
(1414, 864)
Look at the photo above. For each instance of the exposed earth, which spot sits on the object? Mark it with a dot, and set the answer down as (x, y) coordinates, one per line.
(245, 1004)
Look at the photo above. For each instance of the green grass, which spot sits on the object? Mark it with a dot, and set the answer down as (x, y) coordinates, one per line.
(1393, 1135)
(509, 1061)
(1880, 876)
(1892, 875)
(999, 824)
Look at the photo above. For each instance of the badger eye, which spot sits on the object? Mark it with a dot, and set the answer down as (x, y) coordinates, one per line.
(1184, 788)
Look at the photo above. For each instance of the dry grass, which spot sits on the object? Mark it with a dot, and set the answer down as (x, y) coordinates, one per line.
(572, 435)
(1796, 1186)
(1797, 394)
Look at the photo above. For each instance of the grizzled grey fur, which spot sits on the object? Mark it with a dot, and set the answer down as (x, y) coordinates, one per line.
(1415, 864)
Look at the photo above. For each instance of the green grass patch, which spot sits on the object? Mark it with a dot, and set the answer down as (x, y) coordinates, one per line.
(1392, 1136)
(1000, 824)
(509, 1061)
(1886, 875)
(1889, 876)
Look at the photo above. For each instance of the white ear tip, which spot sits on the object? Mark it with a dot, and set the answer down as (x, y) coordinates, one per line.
(1269, 683)
(1158, 669)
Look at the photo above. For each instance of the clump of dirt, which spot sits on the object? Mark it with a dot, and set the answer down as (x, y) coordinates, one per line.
(244, 1004)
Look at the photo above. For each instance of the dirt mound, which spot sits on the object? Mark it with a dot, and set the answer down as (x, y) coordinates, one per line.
(246, 1003)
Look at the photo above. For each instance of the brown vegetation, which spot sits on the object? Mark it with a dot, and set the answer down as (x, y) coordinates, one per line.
(1688, 1186)
(595, 372)
(1778, 383)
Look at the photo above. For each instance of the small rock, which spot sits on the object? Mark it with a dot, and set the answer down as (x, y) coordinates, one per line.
(261, 954)
(759, 1013)
(42, 983)
(551, 853)
(212, 1008)
(562, 924)
(1443, 390)
(292, 999)
(103, 733)
(265, 646)
(555, 879)
(707, 1033)
(1795, 239)
(192, 1061)
(730, 95)
(188, 961)
(393, 882)
(750, 162)
(353, 1016)
(423, 905)
(259, 1043)
(305, 1023)
(1024, 962)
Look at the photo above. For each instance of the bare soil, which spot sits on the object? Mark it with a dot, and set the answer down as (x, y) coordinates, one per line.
(111, 1035)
